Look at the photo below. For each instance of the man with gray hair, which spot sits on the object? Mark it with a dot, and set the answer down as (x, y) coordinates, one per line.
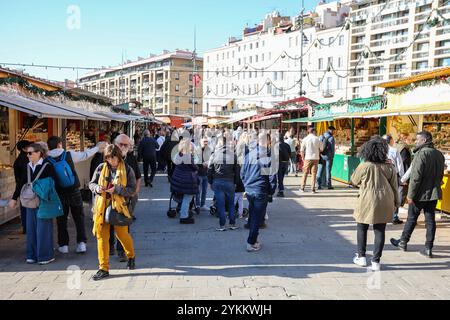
(125, 145)
(147, 151)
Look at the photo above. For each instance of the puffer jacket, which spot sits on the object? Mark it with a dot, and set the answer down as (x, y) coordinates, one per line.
(49, 205)
(184, 179)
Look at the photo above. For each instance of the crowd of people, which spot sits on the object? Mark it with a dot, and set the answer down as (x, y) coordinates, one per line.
(234, 164)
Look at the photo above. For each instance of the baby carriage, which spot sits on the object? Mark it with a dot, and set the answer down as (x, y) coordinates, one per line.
(215, 212)
(178, 199)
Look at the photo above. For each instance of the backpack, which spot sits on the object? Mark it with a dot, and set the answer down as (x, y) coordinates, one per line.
(64, 173)
(28, 198)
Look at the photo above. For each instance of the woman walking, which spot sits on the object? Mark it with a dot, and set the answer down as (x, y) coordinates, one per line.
(114, 184)
(378, 198)
(39, 222)
(184, 180)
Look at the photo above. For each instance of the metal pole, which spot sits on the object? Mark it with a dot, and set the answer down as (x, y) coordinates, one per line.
(301, 48)
(194, 74)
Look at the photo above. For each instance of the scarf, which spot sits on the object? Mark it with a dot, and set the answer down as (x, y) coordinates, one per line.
(118, 202)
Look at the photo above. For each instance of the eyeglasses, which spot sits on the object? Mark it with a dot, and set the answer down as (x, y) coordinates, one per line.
(124, 145)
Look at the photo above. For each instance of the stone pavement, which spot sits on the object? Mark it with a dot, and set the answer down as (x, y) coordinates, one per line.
(307, 254)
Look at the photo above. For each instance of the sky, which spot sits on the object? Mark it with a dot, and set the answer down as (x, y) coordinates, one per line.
(97, 33)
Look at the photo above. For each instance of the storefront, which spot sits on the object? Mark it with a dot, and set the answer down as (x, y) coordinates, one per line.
(352, 131)
(422, 102)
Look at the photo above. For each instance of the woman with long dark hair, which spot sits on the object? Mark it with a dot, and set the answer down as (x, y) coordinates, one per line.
(377, 200)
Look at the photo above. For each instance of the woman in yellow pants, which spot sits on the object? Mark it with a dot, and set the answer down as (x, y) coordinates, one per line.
(113, 183)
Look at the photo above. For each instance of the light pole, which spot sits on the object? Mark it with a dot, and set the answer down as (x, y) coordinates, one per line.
(194, 75)
(301, 48)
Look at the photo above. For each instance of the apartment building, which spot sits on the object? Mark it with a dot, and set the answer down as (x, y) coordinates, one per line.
(163, 83)
(392, 39)
(262, 68)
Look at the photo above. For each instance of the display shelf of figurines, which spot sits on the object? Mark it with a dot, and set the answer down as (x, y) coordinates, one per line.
(7, 187)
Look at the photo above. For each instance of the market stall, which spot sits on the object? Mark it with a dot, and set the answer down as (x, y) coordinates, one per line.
(352, 131)
(422, 102)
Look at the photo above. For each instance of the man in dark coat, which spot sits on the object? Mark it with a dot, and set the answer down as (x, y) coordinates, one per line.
(147, 152)
(425, 189)
(20, 165)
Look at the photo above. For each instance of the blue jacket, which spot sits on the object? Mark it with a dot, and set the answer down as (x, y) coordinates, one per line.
(329, 145)
(256, 173)
(50, 205)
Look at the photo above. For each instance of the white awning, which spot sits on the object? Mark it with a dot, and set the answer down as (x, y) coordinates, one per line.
(87, 114)
(118, 116)
(37, 108)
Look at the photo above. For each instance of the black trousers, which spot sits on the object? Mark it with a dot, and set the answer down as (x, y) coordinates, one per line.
(429, 208)
(152, 163)
(380, 238)
(71, 202)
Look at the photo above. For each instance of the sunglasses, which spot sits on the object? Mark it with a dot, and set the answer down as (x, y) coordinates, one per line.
(31, 152)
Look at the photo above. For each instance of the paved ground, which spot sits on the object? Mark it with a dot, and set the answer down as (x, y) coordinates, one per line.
(307, 253)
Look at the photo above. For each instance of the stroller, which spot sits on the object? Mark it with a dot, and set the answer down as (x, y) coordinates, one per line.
(215, 212)
(178, 199)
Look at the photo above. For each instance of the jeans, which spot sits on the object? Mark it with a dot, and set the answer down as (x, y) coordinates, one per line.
(39, 237)
(71, 202)
(326, 164)
(293, 162)
(184, 211)
(282, 172)
(380, 238)
(429, 208)
(152, 163)
(224, 191)
(257, 206)
(23, 218)
(239, 202)
(200, 198)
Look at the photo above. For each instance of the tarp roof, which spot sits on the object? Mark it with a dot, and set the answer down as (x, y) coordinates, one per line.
(37, 108)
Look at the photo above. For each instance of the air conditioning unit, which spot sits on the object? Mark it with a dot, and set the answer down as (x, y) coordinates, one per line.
(327, 94)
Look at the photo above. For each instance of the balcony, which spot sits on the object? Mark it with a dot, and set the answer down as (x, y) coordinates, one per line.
(397, 75)
(358, 30)
(420, 55)
(441, 52)
(159, 94)
(356, 79)
(376, 78)
(440, 32)
(356, 47)
(145, 85)
(328, 93)
(422, 16)
(392, 23)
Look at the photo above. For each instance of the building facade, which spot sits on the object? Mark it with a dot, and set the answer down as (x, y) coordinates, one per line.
(263, 68)
(163, 83)
(392, 39)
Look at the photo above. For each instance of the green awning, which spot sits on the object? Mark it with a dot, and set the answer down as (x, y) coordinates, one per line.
(310, 119)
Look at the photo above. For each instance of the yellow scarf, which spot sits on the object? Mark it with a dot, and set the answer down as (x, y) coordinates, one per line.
(118, 202)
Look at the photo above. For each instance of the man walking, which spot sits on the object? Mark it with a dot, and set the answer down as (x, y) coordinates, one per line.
(260, 183)
(427, 171)
(310, 150)
(396, 159)
(326, 159)
(147, 152)
(68, 188)
(125, 145)
(203, 154)
(285, 157)
(289, 139)
(161, 139)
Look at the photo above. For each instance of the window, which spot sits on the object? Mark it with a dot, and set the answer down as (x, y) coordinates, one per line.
(422, 65)
(177, 75)
(257, 45)
(330, 61)
(262, 57)
(399, 67)
(320, 67)
(445, 62)
(256, 58)
(177, 99)
(275, 76)
(190, 77)
(223, 89)
(339, 62)
(269, 88)
(239, 61)
(339, 83)
(251, 59)
(341, 40)
(281, 75)
(177, 88)
(329, 81)
(251, 46)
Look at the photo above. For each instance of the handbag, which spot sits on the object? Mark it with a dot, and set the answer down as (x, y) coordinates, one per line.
(115, 218)
(28, 198)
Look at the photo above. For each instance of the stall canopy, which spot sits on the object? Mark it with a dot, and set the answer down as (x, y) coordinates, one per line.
(270, 117)
(119, 117)
(87, 114)
(310, 119)
(37, 108)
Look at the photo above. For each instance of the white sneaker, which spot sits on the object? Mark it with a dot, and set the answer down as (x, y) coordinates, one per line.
(253, 248)
(64, 249)
(360, 261)
(266, 217)
(47, 262)
(376, 266)
(31, 261)
(233, 227)
(81, 248)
